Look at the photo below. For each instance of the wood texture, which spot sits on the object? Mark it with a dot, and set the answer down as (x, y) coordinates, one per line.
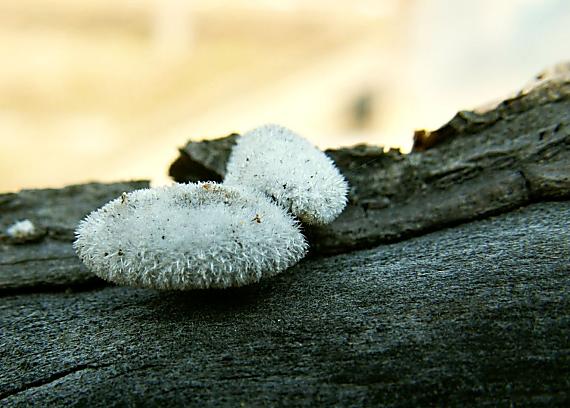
(477, 314)
(46, 260)
(479, 164)
(473, 315)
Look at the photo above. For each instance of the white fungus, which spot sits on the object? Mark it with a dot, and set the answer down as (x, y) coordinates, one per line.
(187, 236)
(21, 229)
(209, 235)
(290, 170)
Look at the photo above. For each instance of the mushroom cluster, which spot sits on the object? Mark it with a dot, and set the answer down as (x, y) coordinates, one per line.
(210, 235)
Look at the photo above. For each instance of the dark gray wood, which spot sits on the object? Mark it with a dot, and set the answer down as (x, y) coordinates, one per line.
(478, 164)
(476, 314)
(473, 315)
(47, 259)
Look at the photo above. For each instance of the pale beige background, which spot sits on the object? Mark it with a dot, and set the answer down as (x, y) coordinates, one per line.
(108, 89)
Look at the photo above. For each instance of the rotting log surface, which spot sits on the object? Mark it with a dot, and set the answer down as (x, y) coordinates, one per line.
(474, 314)
(481, 164)
(47, 260)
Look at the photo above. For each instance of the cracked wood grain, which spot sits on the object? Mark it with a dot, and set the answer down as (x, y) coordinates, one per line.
(477, 165)
(475, 315)
(50, 380)
(47, 261)
(510, 156)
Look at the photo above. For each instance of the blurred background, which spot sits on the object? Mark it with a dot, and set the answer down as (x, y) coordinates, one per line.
(107, 90)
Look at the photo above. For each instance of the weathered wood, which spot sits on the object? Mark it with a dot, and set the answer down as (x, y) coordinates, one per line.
(481, 164)
(473, 315)
(488, 163)
(47, 259)
(203, 161)
(478, 314)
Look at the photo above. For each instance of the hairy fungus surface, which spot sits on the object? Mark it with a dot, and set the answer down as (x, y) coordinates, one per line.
(291, 171)
(21, 229)
(187, 236)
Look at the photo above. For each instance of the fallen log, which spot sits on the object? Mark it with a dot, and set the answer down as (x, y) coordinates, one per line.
(463, 296)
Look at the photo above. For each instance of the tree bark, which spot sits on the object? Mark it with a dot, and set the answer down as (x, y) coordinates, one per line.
(475, 314)
(479, 164)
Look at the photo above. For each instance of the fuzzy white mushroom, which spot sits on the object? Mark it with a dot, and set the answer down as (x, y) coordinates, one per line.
(21, 229)
(290, 170)
(187, 236)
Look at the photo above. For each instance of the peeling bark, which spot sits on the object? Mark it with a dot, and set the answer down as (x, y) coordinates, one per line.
(476, 314)
(482, 163)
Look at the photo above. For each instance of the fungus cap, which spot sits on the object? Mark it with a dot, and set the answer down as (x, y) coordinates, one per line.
(290, 170)
(21, 229)
(187, 236)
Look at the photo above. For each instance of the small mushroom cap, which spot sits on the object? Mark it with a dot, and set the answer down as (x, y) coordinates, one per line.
(188, 236)
(21, 229)
(290, 170)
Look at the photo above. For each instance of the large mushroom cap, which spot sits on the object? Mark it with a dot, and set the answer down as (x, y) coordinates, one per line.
(290, 170)
(188, 236)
